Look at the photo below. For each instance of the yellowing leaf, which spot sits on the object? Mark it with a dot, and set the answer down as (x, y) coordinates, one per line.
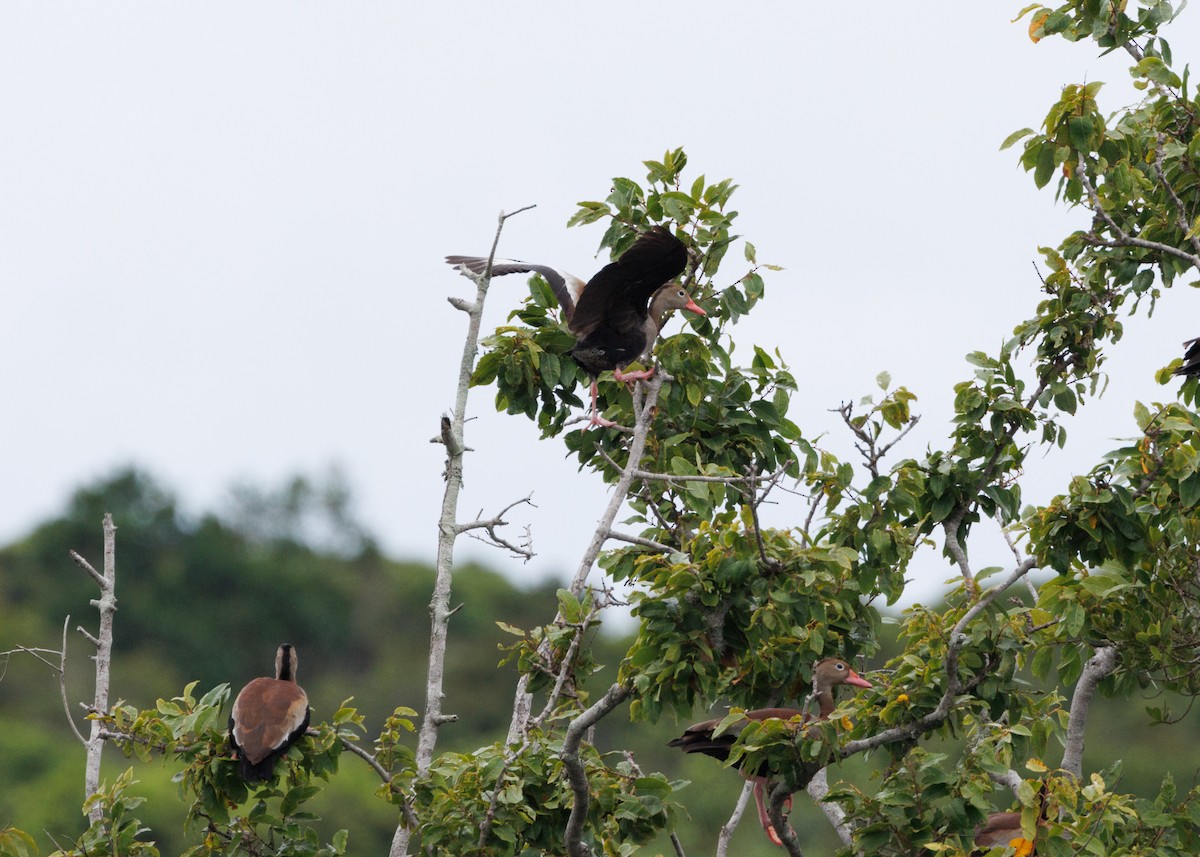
(1023, 847)
(1037, 22)
(1036, 765)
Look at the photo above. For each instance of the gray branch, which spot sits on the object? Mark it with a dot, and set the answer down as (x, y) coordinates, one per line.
(490, 525)
(1181, 220)
(645, 398)
(1124, 239)
(1099, 666)
(576, 774)
(62, 684)
(818, 790)
(954, 684)
(87, 566)
(641, 542)
(954, 546)
(735, 818)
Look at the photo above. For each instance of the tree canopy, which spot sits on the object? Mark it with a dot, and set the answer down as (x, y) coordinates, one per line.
(984, 702)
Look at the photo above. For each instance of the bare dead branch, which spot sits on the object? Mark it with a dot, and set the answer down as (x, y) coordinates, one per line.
(87, 566)
(525, 551)
(576, 774)
(62, 684)
(1099, 666)
(107, 605)
(36, 653)
(735, 818)
(451, 433)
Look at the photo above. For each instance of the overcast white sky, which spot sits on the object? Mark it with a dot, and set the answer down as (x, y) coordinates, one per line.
(222, 226)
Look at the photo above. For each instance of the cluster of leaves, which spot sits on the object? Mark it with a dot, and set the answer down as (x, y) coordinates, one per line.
(741, 615)
(495, 801)
(1125, 540)
(540, 652)
(118, 829)
(193, 733)
(15, 842)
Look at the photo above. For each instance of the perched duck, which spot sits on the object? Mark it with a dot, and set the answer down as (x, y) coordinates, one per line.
(1001, 828)
(268, 716)
(1191, 358)
(617, 314)
(698, 738)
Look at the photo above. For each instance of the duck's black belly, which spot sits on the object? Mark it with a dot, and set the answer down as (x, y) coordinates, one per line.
(607, 348)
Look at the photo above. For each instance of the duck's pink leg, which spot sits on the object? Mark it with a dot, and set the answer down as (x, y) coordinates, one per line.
(636, 375)
(596, 419)
(764, 817)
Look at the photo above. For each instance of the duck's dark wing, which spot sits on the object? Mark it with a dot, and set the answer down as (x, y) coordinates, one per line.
(1191, 358)
(698, 738)
(618, 294)
(566, 287)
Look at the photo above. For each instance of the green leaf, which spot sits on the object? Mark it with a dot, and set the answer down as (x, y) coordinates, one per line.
(1045, 165)
(1080, 129)
(1014, 137)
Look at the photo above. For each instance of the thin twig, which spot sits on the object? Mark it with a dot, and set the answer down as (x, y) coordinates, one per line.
(62, 684)
(367, 757)
(641, 542)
